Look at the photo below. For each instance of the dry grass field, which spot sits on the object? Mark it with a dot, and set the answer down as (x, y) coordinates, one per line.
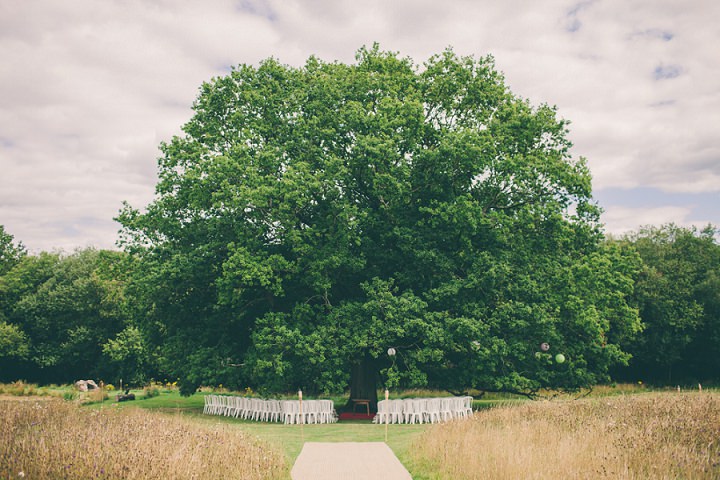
(658, 436)
(56, 440)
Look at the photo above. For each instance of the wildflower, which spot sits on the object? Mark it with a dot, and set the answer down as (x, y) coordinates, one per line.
(21, 474)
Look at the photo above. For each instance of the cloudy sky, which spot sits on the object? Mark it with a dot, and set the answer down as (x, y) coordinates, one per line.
(90, 88)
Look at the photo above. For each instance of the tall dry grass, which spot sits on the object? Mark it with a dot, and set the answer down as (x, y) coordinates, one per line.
(659, 436)
(59, 440)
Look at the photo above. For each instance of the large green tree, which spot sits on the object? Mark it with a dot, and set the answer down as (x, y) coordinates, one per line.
(311, 218)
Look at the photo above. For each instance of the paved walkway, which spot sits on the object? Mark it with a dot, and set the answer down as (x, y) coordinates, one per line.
(348, 461)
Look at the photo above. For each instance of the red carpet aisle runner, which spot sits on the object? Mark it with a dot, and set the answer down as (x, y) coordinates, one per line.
(356, 416)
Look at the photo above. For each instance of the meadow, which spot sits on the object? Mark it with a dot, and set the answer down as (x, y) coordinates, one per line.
(654, 435)
(617, 433)
(55, 439)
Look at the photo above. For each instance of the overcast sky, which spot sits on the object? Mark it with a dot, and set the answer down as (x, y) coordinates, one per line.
(90, 89)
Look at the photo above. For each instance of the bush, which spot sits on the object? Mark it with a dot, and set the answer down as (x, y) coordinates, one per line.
(151, 391)
(70, 396)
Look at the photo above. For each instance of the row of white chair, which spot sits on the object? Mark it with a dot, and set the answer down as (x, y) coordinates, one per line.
(257, 409)
(423, 410)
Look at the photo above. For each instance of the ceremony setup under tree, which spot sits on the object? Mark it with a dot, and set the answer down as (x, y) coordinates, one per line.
(311, 218)
(317, 240)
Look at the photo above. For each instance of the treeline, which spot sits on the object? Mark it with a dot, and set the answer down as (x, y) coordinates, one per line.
(677, 293)
(65, 317)
(70, 316)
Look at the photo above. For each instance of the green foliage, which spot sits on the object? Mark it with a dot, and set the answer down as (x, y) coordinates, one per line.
(62, 308)
(70, 396)
(677, 294)
(129, 356)
(151, 391)
(13, 342)
(312, 217)
(10, 253)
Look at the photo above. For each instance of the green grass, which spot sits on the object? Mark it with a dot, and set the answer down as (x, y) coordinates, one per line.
(288, 439)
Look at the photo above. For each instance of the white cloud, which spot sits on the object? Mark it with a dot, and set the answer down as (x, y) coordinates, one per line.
(620, 220)
(91, 88)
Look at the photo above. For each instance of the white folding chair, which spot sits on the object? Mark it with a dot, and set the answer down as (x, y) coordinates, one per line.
(273, 410)
(289, 411)
(446, 409)
(221, 405)
(383, 412)
(310, 411)
(229, 405)
(239, 407)
(395, 410)
(467, 406)
(268, 410)
(457, 406)
(431, 412)
(215, 405)
(326, 411)
(255, 408)
(413, 410)
(245, 404)
(232, 406)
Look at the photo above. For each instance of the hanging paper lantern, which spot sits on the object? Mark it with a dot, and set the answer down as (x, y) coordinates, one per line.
(544, 346)
(391, 351)
(559, 358)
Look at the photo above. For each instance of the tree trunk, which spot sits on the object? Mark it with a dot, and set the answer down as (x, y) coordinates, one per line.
(363, 382)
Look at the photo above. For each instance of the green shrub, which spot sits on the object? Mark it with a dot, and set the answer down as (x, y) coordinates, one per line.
(151, 391)
(70, 396)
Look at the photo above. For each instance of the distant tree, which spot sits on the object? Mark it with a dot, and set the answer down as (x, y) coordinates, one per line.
(10, 253)
(129, 356)
(677, 294)
(65, 309)
(311, 218)
(13, 342)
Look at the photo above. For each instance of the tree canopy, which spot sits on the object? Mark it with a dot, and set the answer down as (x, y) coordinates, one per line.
(10, 252)
(678, 294)
(56, 313)
(310, 218)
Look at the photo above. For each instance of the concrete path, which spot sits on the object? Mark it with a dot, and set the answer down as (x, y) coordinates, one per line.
(348, 461)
